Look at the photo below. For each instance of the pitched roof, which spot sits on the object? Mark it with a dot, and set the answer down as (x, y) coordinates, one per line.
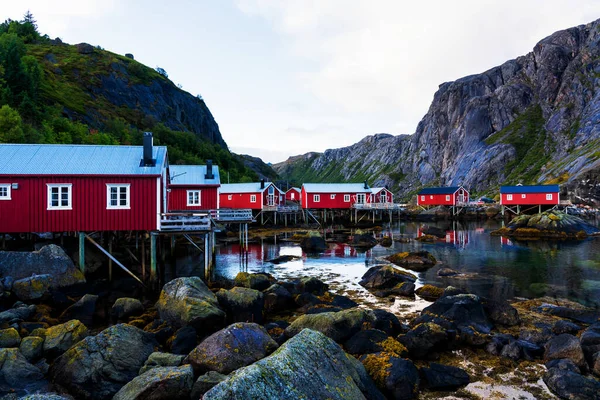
(252, 187)
(530, 189)
(439, 190)
(294, 188)
(193, 175)
(70, 159)
(335, 188)
(378, 189)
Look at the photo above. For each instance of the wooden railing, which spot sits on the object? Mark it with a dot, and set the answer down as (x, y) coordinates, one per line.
(185, 221)
(232, 215)
(378, 206)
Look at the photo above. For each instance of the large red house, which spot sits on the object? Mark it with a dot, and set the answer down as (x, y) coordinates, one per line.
(443, 196)
(60, 188)
(293, 194)
(334, 195)
(529, 195)
(255, 195)
(193, 187)
(381, 195)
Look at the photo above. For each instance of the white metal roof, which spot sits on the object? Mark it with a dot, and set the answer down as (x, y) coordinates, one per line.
(378, 189)
(193, 175)
(335, 188)
(251, 187)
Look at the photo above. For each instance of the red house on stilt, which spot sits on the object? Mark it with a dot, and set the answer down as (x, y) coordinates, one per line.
(530, 195)
(381, 195)
(293, 194)
(443, 196)
(334, 195)
(193, 187)
(255, 195)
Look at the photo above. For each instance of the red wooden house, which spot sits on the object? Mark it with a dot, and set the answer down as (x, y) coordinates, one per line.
(293, 194)
(381, 195)
(255, 195)
(334, 195)
(193, 187)
(443, 196)
(529, 195)
(59, 188)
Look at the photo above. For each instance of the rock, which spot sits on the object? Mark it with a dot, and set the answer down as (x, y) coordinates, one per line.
(570, 385)
(434, 231)
(462, 309)
(565, 346)
(312, 285)
(231, 348)
(32, 347)
(500, 312)
(387, 322)
(386, 241)
(129, 55)
(161, 329)
(242, 304)
(205, 383)
(396, 377)
(277, 331)
(184, 340)
(385, 279)
(497, 343)
(253, 281)
(587, 316)
(564, 326)
(590, 339)
(444, 377)
(512, 351)
(188, 301)
(471, 336)
(277, 298)
(17, 372)
(309, 366)
(49, 260)
(416, 261)
(83, 310)
(444, 272)
(283, 259)
(33, 287)
(595, 364)
(60, 338)
(98, 366)
(424, 338)
(168, 383)
(364, 241)
(540, 335)
(565, 364)
(549, 224)
(85, 48)
(44, 396)
(339, 326)
(9, 338)
(429, 292)
(313, 244)
(365, 342)
(158, 359)
(453, 291)
(126, 307)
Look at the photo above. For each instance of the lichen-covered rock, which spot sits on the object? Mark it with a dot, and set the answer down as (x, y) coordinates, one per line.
(417, 261)
(17, 372)
(564, 326)
(98, 366)
(9, 338)
(126, 307)
(18, 313)
(188, 301)
(463, 310)
(60, 338)
(384, 279)
(161, 383)
(386, 321)
(424, 338)
(231, 348)
(500, 312)
(312, 285)
(308, 366)
(590, 339)
(429, 292)
(45, 396)
(570, 385)
(206, 382)
(339, 326)
(242, 304)
(158, 359)
(565, 346)
(365, 342)
(83, 310)
(32, 347)
(549, 224)
(253, 281)
(444, 377)
(396, 377)
(33, 287)
(183, 341)
(277, 298)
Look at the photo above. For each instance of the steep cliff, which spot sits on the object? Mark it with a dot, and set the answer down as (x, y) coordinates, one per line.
(533, 119)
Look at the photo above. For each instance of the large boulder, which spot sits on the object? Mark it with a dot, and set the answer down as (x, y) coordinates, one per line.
(188, 301)
(383, 280)
(9, 338)
(277, 298)
(231, 348)
(98, 366)
(416, 261)
(50, 260)
(571, 385)
(463, 310)
(60, 338)
(424, 338)
(565, 346)
(444, 377)
(242, 304)
(158, 359)
(161, 383)
(183, 341)
(32, 347)
(313, 244)
(339, 326)
(33, 287)
(17, 372)
(126, 307)
(253, 281)
(500, 312)
(18, 313)
(308, 366)
(396, 377)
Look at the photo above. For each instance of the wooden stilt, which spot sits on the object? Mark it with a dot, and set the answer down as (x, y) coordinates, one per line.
(110, 262)
(82, 252)
(152, 257)
(144, 257)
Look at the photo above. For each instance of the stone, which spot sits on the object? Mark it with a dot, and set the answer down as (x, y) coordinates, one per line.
(310, 365)
(85, 48)
(424, 338)
(313, 244)
(253, 281)
(32, 348)
(563, 363)
(445, 272)
(339, 326)
(462, 309)
(188, 301)
(60, 338)
(387, 322)
(45, 396)
(365, 342)
(595, 364)
(161, 383)
(17, 372)
(396, 377)
(386, 241)
(312, 285)
(126, 307)
(564, 326)
(206, 382)
(184, 340)
(129, 55)
(364, 241)
(444, 377)
(586, 315)
(429, 292)
(418, 261)
(18, 313)
(539, 335)
(33, 287)
(158, 359)
(502, 313)
(512, 350)
(570, 385)
(385, 279)
(236, 346)
(590, 339)
(242, 304)
(9, 338)
(565, 346)
(83, 310)
(161, 330)
(98, 366)
(434, 231)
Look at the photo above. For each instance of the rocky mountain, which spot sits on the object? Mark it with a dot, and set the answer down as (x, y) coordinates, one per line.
(534, 119)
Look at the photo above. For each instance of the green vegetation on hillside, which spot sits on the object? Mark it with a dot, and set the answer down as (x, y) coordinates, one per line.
(46, 96)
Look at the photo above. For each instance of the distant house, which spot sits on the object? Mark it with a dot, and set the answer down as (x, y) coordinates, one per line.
(381, 195)
(293, 194)
(255, 195)
(334, 195)
(530, 195)
(81, 188)
(443, 196)
(193, 187)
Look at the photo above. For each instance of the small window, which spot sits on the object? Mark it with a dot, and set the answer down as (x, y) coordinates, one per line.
(4, 191)
(447, 197)
(117, 196)
(229, 197)
(292, 196)
(548, 196)
(252, 198)
(332, 196)
(59, 196)
(193, 197)
(509, 197)
(317, 198)
(422, 198)
(523, 196)
(347, 198)
(431, 197)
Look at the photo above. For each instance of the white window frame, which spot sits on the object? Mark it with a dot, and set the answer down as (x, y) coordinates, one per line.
(292, 195)
(252, 198)
(332, 196)
(69, 187)
(347, 198)
(430, 197)
(509, 197)
(548, 196)
(6, 186)
(447, 197)
(316, 198)
(127, 205)
(195, 201)
(523, 196)
(229, 196)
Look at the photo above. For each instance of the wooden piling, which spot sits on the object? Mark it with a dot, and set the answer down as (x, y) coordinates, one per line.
(153, 257)
(82, 252)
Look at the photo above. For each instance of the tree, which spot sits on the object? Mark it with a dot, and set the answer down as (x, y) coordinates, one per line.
(28, 19)
(11, 126)
(162, 72)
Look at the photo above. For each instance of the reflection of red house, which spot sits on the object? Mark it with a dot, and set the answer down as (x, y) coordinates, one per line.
(256, 195)
(334, 195)
(529, 195)
(293, 194)
(193, 187)
(443, 196)
(455, 237)
(504, 241)
(381, 195)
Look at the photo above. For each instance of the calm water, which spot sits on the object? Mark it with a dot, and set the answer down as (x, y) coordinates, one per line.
(491, 266)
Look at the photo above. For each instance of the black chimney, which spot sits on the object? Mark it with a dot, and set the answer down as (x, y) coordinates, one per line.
(366, 186)
(262, 183)
(209, 173)
(147, 161)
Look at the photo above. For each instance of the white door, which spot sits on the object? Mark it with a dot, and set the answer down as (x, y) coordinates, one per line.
(360, 198)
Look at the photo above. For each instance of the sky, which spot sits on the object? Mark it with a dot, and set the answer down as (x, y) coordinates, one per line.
(285, 77)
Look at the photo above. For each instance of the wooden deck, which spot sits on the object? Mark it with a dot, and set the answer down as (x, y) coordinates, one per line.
(379, 206)
(232, 215)
(186, 222)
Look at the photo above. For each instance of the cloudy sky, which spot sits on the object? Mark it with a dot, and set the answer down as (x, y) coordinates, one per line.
(284, 77)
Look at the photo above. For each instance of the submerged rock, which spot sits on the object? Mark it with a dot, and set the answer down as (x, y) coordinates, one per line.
(429, 292)
(161, 383)
(417, 261)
